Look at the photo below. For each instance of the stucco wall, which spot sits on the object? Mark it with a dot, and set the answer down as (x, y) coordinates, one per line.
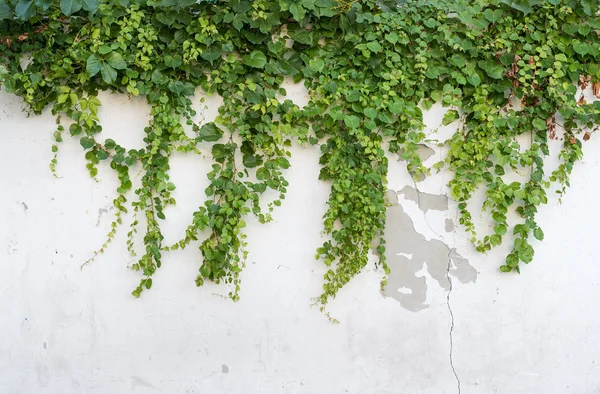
(447, 318)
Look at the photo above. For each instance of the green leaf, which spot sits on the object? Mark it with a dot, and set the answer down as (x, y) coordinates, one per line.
(87, 142)
(210, 133)
(251, 161)
(352, 96)
(374, 46)
(116, 61)
(109, 74)
(25, 9)
(582, 48)
(492, 16)
(351, 121)
(297, 11)
(392, 37)
(90, 5)
(317, 64)
(69, 7)
(173, 61)
(5, 12)
(262, 174)
(450, 117)
(256, 59)
(94, 64)
(493, 69)
(539, 124)
(474, 79)
(370, 113)
(212, 53)
(500, 229)
(538, 234)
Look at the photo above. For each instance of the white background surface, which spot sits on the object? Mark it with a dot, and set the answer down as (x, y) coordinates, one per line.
(65, 330)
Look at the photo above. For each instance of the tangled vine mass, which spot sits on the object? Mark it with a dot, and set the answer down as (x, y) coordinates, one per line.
(505, 68)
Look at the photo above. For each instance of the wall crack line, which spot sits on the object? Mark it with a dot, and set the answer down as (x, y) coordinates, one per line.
(451, 321)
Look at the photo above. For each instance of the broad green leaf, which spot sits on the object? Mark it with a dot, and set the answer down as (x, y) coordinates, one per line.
(374, 46)
(351, 121)
(212, 53)
(116, 61)
(256, 59)
(25, 9)
(87, 142)
(370, 113)
(298, 12)
(90, 5)
(538, 234)
(173, 61)
(474, 79)
(210, 133)
(450, 117)
(5, 12)
(251, 161)
(109, 74)
(69, 7)
(493, 69)
(539, 124)
(94, 63)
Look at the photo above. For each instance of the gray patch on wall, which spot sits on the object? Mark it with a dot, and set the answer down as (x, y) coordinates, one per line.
(425, 201)
(408, 251)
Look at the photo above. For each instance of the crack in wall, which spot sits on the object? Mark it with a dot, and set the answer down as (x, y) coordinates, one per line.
(408, 252)
(451, 321)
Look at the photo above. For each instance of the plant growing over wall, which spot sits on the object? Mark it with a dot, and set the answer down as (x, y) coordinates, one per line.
(504, 68)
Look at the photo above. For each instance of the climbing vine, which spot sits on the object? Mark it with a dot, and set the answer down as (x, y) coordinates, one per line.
(504, 69)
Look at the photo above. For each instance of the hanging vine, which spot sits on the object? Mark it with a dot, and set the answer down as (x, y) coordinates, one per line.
(504, 68)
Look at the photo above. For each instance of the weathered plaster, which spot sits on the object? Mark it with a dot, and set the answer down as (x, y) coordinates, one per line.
(425, 201)
(408, 252)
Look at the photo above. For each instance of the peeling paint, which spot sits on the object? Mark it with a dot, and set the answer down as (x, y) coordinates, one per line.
(425, 201)
(449, 226)
(408, 252)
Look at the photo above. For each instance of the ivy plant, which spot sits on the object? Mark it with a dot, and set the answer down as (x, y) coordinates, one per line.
(505, 69)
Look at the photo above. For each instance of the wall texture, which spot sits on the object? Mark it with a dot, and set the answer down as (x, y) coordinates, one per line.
(448, 322)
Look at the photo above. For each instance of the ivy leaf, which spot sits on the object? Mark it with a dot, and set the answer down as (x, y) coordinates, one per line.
(474, 79)
(538, 234)
(5, 12)
(351, 121)
(492, 16)
(500, 229)
(69, 7)
(90, 5)
(94, 63)
(392, 37)
(25, 9)
(374, 46)
(173, 61)
(109, 74)
(251, 161)
(210, 133)
(87, 142)
(370, 113)
(449, 117)
(116, 61)
(582, 48)
(212, 53)
(539, 124)
(262, 174)
(493, 69)
(256, 59)
(298, 12)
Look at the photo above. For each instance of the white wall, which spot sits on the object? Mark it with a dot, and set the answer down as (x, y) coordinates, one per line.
(65, 330)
